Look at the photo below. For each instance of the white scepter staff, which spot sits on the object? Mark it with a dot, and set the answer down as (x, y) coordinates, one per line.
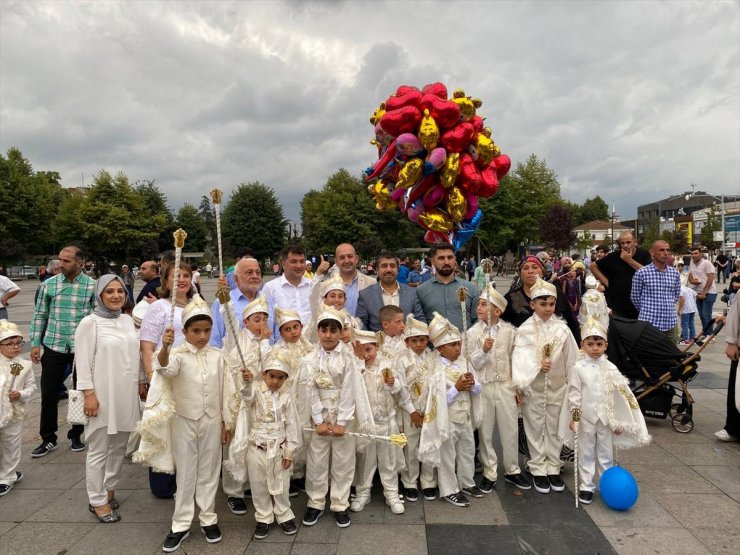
(395, 439)
(575, 416)
(487, 270)
(217, 195)
(462, 295)
(180, 235)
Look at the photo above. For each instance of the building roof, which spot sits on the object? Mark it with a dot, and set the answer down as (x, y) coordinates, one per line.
(599, 224)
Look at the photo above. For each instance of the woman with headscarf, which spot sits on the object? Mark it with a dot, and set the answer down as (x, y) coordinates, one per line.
(518, 309)
(109, 373)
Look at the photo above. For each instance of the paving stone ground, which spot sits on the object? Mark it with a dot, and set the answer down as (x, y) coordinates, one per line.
(689, 501)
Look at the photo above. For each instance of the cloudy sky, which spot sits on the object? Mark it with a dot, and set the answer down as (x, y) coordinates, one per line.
(629, 100)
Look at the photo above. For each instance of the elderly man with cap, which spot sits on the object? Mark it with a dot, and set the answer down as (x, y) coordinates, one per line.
(489, 344)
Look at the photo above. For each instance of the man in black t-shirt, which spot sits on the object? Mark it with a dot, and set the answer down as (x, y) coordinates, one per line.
(723, 267)
(615, 272)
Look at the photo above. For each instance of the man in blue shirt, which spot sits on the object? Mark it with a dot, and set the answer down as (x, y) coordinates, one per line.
(248, 279)
(655, 291)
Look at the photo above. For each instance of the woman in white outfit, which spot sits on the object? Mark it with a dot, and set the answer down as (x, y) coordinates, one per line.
(109, 373)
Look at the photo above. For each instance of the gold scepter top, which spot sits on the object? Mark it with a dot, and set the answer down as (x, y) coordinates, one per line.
(216, 195)
(15, 369)
(180, 235)
(462, 294)
(387, 373)
(575, 414)
(547, 350)
(222, 294)
(399, 439)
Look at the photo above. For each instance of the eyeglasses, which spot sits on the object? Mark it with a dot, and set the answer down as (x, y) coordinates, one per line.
(14, 344)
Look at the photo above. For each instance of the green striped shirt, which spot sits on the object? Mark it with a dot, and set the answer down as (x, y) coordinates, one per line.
(60, 307)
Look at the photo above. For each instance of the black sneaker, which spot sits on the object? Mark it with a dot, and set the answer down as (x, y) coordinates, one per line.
(343, 519)
(312, 516)
(289, 527)
(293, 491)
(541, 484)
(76, 445)
(212, 532)
(18, 476)
(173, 540)
(411, 494)
(261, 531)
(555, 482)
(473, 491)
(457, 499)
(586, 497)
(5, 489)
(518, 480)
(486, 485)
(248, 494)
(430, 494)
(43, 449)
(237, 505)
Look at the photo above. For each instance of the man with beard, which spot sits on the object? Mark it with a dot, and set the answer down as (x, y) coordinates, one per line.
(345, 262)
(387, 291)
(248, 279)
(439, 294)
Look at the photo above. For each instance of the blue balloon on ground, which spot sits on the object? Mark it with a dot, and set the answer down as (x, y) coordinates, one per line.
(618, 488)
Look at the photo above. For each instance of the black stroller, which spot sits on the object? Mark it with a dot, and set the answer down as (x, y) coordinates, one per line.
(653, 363)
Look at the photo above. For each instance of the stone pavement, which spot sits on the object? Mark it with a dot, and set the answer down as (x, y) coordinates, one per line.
(689, 501)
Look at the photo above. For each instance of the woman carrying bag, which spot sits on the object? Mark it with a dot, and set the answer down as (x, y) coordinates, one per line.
(108, 371)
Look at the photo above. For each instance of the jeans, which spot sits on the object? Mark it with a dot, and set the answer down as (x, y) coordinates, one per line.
(53, 366)
(704, 307)
(687, 325)
(3, 313)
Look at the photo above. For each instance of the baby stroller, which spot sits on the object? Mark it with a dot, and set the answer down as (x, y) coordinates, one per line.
(653, 364)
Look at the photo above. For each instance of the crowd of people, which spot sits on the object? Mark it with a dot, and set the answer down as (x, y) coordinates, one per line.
(306, 383)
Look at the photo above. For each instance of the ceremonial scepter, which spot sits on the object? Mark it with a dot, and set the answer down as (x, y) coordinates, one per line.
(546, 354)
(180, 237)
(222, 293)
(395, 439)
(575, 416)
(15, 370)
(462, 295)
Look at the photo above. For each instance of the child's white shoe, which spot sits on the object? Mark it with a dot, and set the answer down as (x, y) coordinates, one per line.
(359, 502)
(396, 505)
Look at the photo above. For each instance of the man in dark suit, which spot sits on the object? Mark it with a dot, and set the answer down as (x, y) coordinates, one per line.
(387, 291)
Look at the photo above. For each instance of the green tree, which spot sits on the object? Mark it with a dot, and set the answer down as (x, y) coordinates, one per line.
(556, 227)
(515, 211)
(253, 217)
(155, 206)
(344, 212)
(677, 240)
(652, 231)
(189, 219)
(714, 223)
(110, 219)
(592, 209)
(584, 243)
(28, 203)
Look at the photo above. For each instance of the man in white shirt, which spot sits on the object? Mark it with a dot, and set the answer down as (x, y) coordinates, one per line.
(291, 291)
(701, 278)
(8, 290)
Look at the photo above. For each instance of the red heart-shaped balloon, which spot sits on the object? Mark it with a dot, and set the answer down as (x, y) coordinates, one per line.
(458, 138)
(503, 165)
(432, 237)
(477, 122)
(436, 89)
(469, 178)
(405, 96)
(445, 112)
(403, 120)
(488, 182)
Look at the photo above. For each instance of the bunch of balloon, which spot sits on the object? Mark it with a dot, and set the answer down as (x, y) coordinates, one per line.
(435, 158)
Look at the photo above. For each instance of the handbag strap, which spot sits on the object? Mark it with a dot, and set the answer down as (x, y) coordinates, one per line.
(92, 364)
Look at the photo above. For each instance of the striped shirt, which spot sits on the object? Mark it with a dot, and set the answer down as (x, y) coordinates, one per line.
(655, 294)
(60, 306)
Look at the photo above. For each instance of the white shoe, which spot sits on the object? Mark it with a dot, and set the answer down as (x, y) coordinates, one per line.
(396, 505)
(358, 503)
(722, 435)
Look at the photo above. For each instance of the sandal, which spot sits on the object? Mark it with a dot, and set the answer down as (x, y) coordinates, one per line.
(114, 504)
(106, 518)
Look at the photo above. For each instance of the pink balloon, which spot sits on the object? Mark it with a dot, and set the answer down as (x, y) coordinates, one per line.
(407, 144)
(472, 202)
(434, 195)
(437, 157)
(415, 211)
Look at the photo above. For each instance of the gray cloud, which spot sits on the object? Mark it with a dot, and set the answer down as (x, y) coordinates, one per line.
(632, 101)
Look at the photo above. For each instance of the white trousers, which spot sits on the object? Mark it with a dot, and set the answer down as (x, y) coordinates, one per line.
(232, 487)
(196, 447)
(267, 508)
(459, 449)
(499, 409)
(410, 475)
(330, 454)
(541, 417)
(105, 453)
(595, 452)
(10, 451)
(377, 456)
